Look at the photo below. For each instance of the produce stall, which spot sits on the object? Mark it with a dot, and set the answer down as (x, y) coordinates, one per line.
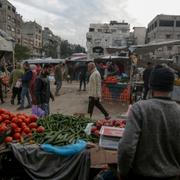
(60, 141)
(115, 71)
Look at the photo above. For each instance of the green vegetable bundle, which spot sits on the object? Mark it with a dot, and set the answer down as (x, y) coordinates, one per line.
(62, 130)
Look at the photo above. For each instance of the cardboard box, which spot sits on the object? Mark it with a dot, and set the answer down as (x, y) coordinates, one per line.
(110, 137)
(101, 157)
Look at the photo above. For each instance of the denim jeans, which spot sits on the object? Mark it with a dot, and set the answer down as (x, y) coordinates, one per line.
(58, 86)
(25, 93)
(45, 108)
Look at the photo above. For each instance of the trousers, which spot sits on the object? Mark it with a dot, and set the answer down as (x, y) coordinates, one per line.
(95, 102)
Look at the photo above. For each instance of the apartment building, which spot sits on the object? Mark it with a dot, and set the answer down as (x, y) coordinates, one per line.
(165, 28)
(10, 20)
(32, 38)
(139, 35)
(102, 36)
(51, 44)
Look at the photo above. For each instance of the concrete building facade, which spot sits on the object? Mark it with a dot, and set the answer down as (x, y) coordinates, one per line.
(51, 44)
(10, 20)
(164, 28)
(32, 38)
(102, 36)
(139, 34)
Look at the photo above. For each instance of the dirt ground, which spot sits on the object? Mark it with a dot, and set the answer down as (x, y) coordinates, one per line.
(72, 101)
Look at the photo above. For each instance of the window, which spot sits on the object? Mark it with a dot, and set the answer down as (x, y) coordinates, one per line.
(14, 10)
(12, 29)
(155, 24)
(0, 5)
(13, 20)
(166, 23)
(177, 23)
(99, 30)
(9, 8)
(18, 31)
(178, 36)
(9, 17)
(91, 29)
(168, 36)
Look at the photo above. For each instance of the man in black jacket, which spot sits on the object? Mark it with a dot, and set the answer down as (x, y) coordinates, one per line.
(42, 89)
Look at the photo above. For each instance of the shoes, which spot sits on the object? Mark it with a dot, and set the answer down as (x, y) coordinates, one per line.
(84, 89)
(108, 117)
(18, 103)
(20, 108)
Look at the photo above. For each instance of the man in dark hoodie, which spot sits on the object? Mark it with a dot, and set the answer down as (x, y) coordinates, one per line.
(42, 89)
(26, 78)
(150, 148)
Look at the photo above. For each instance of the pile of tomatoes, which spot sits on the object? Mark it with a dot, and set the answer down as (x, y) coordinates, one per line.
(120, 123)
(17, 126)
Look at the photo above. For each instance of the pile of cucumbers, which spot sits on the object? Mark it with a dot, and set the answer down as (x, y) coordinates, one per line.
(62, 130)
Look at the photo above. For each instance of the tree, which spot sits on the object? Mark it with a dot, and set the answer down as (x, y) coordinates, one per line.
(21, 52)
(68, 49)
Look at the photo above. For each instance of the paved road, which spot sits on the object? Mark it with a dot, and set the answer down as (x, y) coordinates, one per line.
(72, 101)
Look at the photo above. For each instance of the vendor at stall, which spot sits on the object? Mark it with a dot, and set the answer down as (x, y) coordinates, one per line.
(149, 148)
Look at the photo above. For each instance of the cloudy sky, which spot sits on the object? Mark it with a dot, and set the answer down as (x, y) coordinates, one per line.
(70, 19)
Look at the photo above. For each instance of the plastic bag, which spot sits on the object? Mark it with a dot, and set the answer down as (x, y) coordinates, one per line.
(38, 111)
(67, 150)
(88, 128)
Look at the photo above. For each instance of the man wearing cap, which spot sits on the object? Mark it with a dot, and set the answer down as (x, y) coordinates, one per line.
(150, 148)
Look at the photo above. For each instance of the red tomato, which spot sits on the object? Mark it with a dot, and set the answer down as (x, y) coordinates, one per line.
(17, 136)
(14, 119)
(8, 139)
(33, 118)
(40, 129)
(17, 130)
(26, 130)
(14, 125)
(19, 122)
(4, 116)
(93, 129)
(27, 120)
(97, 133)
(3, 128)
(33, 125)
(7, 121)
(23, 124)
(1, 119)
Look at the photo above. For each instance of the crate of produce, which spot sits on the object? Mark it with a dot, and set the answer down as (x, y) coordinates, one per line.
(110, 136)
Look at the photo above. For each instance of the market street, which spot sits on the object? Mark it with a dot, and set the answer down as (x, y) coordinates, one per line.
(72, 101)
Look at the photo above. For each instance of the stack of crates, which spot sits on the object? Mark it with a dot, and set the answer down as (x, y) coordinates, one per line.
(116, 92)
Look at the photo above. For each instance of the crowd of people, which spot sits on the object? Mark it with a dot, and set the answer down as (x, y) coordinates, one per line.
(149, 148)
(31, 84)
